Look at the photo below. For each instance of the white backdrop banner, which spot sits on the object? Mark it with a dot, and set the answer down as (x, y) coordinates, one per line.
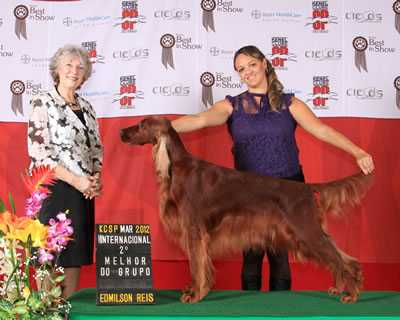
(175, 57)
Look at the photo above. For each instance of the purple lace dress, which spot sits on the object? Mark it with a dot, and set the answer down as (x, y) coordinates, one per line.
(263, 140)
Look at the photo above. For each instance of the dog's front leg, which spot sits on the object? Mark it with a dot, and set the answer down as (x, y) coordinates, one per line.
(201, 270)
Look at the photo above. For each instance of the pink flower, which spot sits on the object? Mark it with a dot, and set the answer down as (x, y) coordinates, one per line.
(34, 202)
(59, 233)
(45, 256)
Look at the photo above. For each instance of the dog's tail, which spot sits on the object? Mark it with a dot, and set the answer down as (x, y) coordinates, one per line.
(333, 197)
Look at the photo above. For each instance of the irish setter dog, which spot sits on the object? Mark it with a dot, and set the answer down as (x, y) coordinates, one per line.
(210, 210)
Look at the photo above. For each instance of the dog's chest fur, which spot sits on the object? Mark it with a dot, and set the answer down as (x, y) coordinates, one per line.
(168, 209)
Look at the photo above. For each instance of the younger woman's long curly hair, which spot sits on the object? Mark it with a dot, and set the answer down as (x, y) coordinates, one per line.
(275, 87)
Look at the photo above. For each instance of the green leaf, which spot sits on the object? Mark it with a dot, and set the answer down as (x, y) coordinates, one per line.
(12, 204)
(59, 279)
(56, 292)
(2, 206)
(21, 310)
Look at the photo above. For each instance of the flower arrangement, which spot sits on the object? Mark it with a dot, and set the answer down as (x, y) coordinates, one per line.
(29, 249)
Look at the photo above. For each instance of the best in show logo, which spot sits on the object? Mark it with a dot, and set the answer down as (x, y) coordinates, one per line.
(396, 83)
(321, 17)
(5, 52)
(207, 81)
(396, 10)
(21, 12)
(128, 92)
(374, 45)
(280, 53)
(17, 88)
(130, 16)
(220, 6)
(322, 93)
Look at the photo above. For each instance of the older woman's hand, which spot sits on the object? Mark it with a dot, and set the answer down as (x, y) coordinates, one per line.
(95, 186)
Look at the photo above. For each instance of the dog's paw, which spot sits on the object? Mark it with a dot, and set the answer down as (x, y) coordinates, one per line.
(188, 289)
(348, 299)
(333, 291)
(189, 298)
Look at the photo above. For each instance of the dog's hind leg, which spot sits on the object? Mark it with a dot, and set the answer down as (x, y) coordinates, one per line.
(200, 265)
(345, 269)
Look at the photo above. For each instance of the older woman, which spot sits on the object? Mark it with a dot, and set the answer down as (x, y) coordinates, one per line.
(63, 133)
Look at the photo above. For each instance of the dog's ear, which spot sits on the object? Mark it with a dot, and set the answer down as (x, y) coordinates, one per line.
(161, 157)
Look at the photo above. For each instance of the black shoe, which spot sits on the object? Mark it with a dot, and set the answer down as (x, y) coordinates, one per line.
(251, 283)
(279, 284)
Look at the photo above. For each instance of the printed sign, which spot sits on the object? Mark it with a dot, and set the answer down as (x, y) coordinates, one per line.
(123, 264)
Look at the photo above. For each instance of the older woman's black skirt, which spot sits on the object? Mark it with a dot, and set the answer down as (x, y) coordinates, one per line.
(79, 250)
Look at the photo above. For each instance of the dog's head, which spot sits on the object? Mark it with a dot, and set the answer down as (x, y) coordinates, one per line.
(147, 131)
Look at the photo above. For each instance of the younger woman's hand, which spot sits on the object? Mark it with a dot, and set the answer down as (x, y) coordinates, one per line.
(365, 162)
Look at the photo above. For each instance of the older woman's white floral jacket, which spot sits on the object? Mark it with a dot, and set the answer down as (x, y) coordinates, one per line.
(57, 136)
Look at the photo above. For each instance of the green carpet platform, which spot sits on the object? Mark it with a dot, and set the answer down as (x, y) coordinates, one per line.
(220, 305)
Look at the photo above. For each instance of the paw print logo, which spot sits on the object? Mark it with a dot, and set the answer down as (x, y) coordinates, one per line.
(21, 12)
(360, 43)
(17, 87)
(207, 79)
(208, 5)
(167, 40)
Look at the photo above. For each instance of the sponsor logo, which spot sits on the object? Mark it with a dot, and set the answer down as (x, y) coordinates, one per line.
(186, 43)
(396, 84)
(86, 22)
(280, 54)
(321, 17)
(268, 16)
(130, 17)
(368, 16)
(35, 61)
(128, 92)
(4, 52)
(91, 47)
(223, 80)
(368, 93)
(176, 14)
(221, 53)
(227, 7)
(33, 88)
(172, 90)
(131, 54)
(37, 13)
(378, 45)
(322, 93)
(207, 81)
(324, 54)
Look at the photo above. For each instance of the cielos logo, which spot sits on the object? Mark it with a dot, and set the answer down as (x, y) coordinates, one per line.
(207, 80)
(21, 13)
(17, 88)
(360, 44)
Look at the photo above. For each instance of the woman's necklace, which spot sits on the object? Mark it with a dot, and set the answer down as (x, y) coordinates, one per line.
(73, 105)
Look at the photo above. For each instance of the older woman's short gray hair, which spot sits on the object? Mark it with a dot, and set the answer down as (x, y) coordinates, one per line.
(71, 50)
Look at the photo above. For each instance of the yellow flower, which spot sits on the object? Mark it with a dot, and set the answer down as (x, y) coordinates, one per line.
(20, 228)
(26, 292)
(27, 227)
(5, 220)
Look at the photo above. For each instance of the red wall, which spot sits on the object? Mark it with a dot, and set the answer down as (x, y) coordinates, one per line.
(369, 233)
